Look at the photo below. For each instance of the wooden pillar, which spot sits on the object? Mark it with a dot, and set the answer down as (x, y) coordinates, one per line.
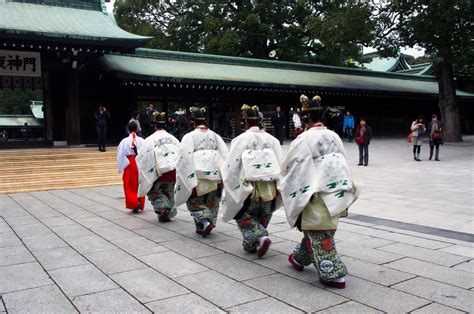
(73, 121)
(48, 110)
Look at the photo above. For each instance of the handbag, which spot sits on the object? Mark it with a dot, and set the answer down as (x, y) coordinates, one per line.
(260, 165)
(437, 135)
(410, 137)
(359, 140)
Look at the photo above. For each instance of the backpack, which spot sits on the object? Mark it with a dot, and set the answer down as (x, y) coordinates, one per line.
(166, 158)
(260, 165)
(206, 164)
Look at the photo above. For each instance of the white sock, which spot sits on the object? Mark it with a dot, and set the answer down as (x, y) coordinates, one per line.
(205, 224)
(262, 239)
(343, 279)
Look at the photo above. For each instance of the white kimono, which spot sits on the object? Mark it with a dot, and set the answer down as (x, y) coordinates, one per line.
(236, 189)
(186, 178)
(125, 149)
(146, 161)
(316, 164)
(296, 121)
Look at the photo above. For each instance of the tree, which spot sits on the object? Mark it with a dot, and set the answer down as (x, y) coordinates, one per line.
(445, 28)
(13, 102)
(325, 32)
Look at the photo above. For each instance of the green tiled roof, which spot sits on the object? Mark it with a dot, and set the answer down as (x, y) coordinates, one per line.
(178, 67)
(79, 4)
(30, 21)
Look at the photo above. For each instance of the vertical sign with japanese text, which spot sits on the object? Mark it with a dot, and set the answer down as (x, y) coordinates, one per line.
(20, 63)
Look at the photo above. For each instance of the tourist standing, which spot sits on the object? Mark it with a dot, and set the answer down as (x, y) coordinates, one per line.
(156, 163)
(148, 120)
(250, 174)
(278, 122)
(101, 116)
(198, 175)
(363, 135)
(418, 131)
(316, 187)
(348, 126)
(26, 131)
(127, 151)
(435, 131)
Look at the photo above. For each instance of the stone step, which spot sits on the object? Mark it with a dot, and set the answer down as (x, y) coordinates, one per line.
(52, 181)
(45, 169)
(42, 187)
(58, 164)
(81, 174)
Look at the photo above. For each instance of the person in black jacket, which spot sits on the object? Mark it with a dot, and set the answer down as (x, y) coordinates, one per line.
(101, 116)
(147, 127)
(278, 121)
(435, 132)
(363, 135)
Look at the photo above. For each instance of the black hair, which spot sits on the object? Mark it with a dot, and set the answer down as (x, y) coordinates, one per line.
(252, 118)
(160, 124)
(199, 118)
(315, 112)
(132, 127)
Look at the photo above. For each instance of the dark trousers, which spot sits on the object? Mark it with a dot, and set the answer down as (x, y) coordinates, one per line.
(416, 151)
(350, 136)
(279, 133)
(434, 145)
(101, 133)
(364, 154)
(147, 129)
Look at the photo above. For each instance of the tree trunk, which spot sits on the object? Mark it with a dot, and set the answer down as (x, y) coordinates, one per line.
(448, 105)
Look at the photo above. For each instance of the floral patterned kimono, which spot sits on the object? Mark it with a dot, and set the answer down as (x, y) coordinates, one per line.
(316, 188)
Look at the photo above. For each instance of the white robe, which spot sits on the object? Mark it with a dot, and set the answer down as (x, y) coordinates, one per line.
(146, 162)
(296, 121)
(124, 149)
(236, 189)
(186, 180)
(316, 164)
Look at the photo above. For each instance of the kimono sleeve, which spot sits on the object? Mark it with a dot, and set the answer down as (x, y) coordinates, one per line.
(221, 148)
(298, 172)
(122, 159)
(236, 190)
(186, 179)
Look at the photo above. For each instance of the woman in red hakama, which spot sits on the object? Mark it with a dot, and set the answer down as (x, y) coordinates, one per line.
(127, 151)
(130, 186)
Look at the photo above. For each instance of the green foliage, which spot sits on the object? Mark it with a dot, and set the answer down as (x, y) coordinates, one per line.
(253, 28)
(445, 28)
(18, 101)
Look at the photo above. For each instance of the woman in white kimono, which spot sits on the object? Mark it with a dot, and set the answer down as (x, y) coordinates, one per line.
(198, 174)
(250, 175)
(127, 151)
(316, 187)
(156, 163)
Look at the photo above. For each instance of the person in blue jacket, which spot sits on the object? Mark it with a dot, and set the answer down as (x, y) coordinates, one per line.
(348, 126)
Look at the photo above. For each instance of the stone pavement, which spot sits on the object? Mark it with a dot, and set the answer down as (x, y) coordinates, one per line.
(407, 243)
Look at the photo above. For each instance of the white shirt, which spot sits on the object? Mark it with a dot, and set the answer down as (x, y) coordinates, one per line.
(296, 120)
(125, 149)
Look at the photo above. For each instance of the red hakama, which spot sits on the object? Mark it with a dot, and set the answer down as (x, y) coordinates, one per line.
(130, 185)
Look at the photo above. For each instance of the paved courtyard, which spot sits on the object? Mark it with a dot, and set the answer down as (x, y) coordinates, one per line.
(408, 245)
